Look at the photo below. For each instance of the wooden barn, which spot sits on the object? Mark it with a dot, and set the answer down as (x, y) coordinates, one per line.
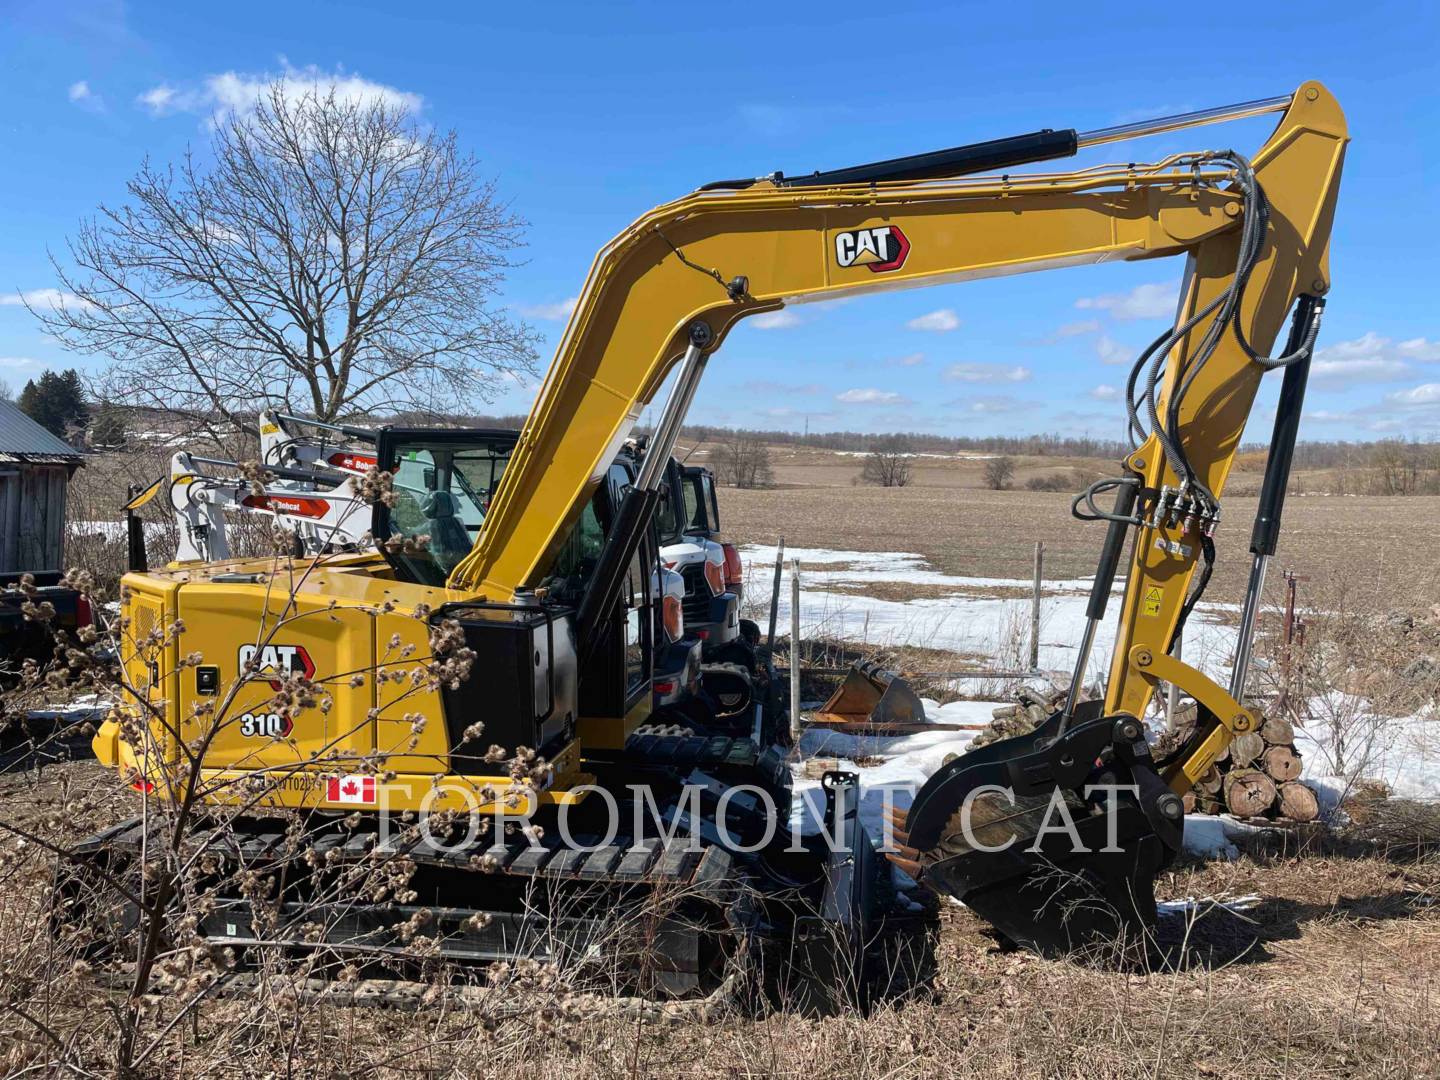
(35, 470)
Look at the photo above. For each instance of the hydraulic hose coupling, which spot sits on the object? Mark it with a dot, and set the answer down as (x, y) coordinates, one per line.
(1184, 508)
(1211, 521)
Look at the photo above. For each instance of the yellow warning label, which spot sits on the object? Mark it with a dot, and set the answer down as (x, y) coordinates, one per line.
(1153, 596)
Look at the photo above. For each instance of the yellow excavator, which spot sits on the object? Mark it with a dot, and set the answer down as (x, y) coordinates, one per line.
(540, 589)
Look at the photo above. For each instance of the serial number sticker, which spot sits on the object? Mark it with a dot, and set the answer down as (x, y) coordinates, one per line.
(1174, 547)
(1151, 603)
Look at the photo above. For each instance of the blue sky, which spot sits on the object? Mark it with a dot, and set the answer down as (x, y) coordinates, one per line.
(589, 114)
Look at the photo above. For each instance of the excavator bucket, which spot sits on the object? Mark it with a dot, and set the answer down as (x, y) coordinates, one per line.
(1054, 837)
(872, 695)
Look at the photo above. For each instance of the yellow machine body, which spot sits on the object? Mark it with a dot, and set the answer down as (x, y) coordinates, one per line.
(645, 292)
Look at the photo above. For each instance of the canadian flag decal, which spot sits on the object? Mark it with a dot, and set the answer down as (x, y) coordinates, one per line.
(356, 790)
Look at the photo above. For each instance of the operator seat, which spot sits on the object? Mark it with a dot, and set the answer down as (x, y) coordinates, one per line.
(449, 539)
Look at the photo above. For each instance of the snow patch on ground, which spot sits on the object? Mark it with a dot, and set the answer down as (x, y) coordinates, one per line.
(1401, 751)
(1173, 908)
(909, 760)
(961, 622)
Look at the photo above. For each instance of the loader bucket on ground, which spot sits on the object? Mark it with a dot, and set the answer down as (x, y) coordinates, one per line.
(872, 695)
(1054, 840)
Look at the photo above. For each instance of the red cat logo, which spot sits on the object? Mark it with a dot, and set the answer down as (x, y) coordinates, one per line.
(881, 248)
(276, 660)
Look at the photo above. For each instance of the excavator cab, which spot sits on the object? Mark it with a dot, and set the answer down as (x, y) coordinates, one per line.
(442, 483)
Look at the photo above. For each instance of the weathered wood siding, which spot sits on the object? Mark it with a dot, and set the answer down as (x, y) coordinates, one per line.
(32, 517)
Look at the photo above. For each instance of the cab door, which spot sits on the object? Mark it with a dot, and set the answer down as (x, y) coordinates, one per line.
(637, 601)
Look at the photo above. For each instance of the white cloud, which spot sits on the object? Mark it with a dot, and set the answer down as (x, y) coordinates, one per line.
(1372, 357)
(774, 320)
(941, 321)
(1368, 346)
(990, 406)
(556, 312)
(52, 298)
(1154, 301)
(81, 94)
(911, 360)
(1419, 349)
(1105, 392)
(1423, 395)
(1074, 329)
(233, 92)
(1359, 370)
(870, 396)
(159, 99)
(17, 361)
(972, 372)
(1111, 351)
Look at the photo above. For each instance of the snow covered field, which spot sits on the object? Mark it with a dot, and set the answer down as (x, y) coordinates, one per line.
(969, 619)
(990, 618)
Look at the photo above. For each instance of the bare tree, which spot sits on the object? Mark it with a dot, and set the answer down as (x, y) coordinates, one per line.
(743, 461)
(888, 463)
(334, 258)
(999, 471)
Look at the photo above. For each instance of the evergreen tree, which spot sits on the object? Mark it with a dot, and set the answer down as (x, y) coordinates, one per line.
(56, 402)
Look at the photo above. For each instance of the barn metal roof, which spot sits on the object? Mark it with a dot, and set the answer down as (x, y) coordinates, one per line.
(22, 439)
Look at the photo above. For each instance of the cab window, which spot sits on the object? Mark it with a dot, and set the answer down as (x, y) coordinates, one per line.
(575, 563)
(667, 517)
(442, 494)
(694, 507)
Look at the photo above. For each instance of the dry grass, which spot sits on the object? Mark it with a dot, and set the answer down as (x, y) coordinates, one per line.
(1335, 973)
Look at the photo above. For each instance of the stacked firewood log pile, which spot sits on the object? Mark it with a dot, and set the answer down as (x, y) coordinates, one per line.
(1259, 776)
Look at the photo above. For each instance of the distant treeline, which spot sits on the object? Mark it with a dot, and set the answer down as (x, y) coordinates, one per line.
(1383, 467)
(1028, 445)
(1023, 445)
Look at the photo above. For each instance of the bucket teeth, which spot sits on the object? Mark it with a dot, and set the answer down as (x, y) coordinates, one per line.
(910, 866)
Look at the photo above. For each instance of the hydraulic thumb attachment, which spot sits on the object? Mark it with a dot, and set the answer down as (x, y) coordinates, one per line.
(1054, 837)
